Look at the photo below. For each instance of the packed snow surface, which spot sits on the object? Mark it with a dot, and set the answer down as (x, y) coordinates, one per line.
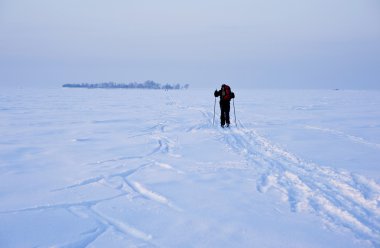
(147, 168)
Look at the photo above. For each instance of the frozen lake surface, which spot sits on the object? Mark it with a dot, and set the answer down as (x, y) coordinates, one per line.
(147, 168)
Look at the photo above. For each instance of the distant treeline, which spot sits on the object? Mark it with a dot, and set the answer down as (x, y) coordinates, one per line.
(146, 85)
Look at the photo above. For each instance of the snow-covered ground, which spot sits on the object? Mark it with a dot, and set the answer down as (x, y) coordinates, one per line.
(147, 168)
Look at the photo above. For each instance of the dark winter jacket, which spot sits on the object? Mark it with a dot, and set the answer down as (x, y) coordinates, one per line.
(219, 93)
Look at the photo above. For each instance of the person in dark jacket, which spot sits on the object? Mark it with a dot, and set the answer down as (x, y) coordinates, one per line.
(226, 95)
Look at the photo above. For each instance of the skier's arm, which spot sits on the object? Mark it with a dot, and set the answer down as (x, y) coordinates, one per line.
(216, 93)
(232, 95)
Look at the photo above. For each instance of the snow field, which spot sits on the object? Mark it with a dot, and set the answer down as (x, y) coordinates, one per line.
(135, 168)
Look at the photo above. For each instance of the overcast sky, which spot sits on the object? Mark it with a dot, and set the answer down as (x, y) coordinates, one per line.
(246, 43)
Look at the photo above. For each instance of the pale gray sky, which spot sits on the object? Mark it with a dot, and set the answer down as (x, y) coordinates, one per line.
(247, 43)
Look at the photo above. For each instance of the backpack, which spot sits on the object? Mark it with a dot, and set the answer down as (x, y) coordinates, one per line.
(226, 92)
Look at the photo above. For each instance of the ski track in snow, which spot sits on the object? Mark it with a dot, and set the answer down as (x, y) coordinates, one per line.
(353, 138)
(343, 200)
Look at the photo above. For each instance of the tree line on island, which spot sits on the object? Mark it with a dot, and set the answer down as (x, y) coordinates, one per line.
(149, 84)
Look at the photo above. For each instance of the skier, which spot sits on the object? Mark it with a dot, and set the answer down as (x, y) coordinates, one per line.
(226, 95)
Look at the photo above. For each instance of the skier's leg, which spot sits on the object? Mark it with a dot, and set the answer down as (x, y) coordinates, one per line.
(222, 115)
(227, 109)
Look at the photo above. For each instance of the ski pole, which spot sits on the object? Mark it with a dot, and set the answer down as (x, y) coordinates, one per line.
(213, 120)
(233, 103)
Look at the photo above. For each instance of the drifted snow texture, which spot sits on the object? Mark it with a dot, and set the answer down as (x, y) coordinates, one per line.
(139, 168)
